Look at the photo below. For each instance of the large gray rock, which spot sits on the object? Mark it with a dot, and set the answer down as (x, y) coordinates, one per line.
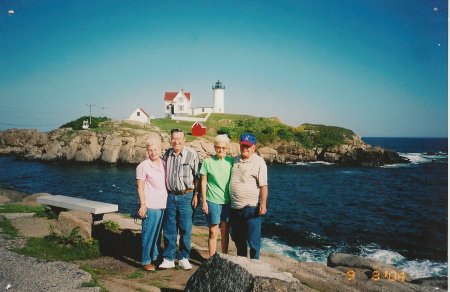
(435, 282)
(12, 195)
(111, 148)
(126, 153)
(52, 150)
(229, 273)
(69, 220)
(268, 154)
(128, 146)
(352, 261)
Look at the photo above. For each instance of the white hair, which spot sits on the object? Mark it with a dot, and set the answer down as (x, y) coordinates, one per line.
(153, 141)
(222, 138)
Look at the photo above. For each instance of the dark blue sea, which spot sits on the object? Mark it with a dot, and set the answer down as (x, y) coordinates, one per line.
(397, 214)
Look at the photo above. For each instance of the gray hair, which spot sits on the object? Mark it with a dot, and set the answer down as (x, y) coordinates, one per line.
(153, 141)
(222, 138)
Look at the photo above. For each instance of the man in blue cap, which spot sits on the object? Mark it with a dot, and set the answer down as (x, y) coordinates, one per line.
(248, 194)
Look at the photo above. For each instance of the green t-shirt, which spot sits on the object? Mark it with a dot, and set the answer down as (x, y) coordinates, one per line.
(218, 173)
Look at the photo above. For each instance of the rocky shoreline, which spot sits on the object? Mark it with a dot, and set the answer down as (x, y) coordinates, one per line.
(120, 264)
(127, 145)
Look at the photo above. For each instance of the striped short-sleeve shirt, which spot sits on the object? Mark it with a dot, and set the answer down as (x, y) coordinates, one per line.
(247, 176)
(181, 169)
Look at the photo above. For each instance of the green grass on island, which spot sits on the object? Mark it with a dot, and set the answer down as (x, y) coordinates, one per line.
(267, 130)
(66, 248)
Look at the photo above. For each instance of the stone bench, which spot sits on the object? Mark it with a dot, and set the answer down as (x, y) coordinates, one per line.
(97, 209)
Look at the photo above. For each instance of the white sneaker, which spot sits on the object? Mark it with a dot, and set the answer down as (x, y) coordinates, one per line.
(185, 264)
(166, 264)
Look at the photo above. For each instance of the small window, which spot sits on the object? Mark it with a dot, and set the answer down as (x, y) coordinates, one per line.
(180, 108)
(138, 114)
(180, 99)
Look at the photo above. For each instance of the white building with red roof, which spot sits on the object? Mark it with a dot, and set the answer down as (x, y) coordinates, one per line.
(177, 103)
(139, 115)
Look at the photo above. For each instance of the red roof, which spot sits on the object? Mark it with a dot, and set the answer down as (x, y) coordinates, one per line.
(200, 123)
(169, 96)
(144, 112)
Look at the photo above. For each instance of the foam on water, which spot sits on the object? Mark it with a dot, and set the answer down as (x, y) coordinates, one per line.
(419, 158)
(424, 269)
(414, 268)
(426, 158)
(313, 163)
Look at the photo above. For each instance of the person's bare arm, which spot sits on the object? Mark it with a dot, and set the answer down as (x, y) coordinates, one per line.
(263, 194)
(141, 195)
(204, 184)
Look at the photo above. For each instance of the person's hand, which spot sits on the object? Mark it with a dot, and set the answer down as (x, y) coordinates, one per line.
(205, 207)
(142, 211)
(262, 209)
(194, 201)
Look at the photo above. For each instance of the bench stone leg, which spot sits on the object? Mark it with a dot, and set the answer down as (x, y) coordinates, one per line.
(97, 217)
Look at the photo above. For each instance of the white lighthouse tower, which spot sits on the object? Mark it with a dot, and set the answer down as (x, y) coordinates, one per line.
(218, 97)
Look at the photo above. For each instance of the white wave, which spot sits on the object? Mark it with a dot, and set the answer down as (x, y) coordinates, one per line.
(415, 158)
(115, 186)
(395, 165)
(424, 268)
(423, 157)
(313, 163)
(297, 253)
(414, 268)
(435, 156)
(350, 172)
(300, 163)
(322, 162)
(274, 246)
(386, 256)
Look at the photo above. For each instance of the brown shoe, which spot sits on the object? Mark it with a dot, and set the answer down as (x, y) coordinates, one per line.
(149, 267)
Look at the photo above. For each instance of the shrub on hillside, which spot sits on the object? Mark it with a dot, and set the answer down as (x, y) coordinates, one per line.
(266, 131)
(327, 136)
(271, 130)
(78, 123)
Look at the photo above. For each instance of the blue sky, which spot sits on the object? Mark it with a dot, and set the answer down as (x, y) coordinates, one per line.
(377, 67)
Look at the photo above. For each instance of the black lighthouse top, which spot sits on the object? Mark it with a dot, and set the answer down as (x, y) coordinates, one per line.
(218, 85)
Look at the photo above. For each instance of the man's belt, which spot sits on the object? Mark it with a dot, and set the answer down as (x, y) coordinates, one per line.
(181, 192)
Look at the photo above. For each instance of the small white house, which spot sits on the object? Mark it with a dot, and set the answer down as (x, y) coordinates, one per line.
(177, 103)
(140, 115)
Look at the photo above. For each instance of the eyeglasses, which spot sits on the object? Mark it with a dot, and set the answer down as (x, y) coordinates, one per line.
(218, 147)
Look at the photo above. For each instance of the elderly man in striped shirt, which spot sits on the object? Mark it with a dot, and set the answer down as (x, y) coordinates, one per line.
(248, 194)
(182, 182)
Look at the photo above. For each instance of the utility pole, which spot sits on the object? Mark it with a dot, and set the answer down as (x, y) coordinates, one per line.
(90, 112)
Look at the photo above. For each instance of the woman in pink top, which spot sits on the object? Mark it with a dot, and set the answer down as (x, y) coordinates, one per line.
(152, 194)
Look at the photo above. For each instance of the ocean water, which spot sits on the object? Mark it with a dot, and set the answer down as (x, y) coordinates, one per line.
(396, 214)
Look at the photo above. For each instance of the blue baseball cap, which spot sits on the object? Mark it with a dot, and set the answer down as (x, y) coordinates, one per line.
(247, 139)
